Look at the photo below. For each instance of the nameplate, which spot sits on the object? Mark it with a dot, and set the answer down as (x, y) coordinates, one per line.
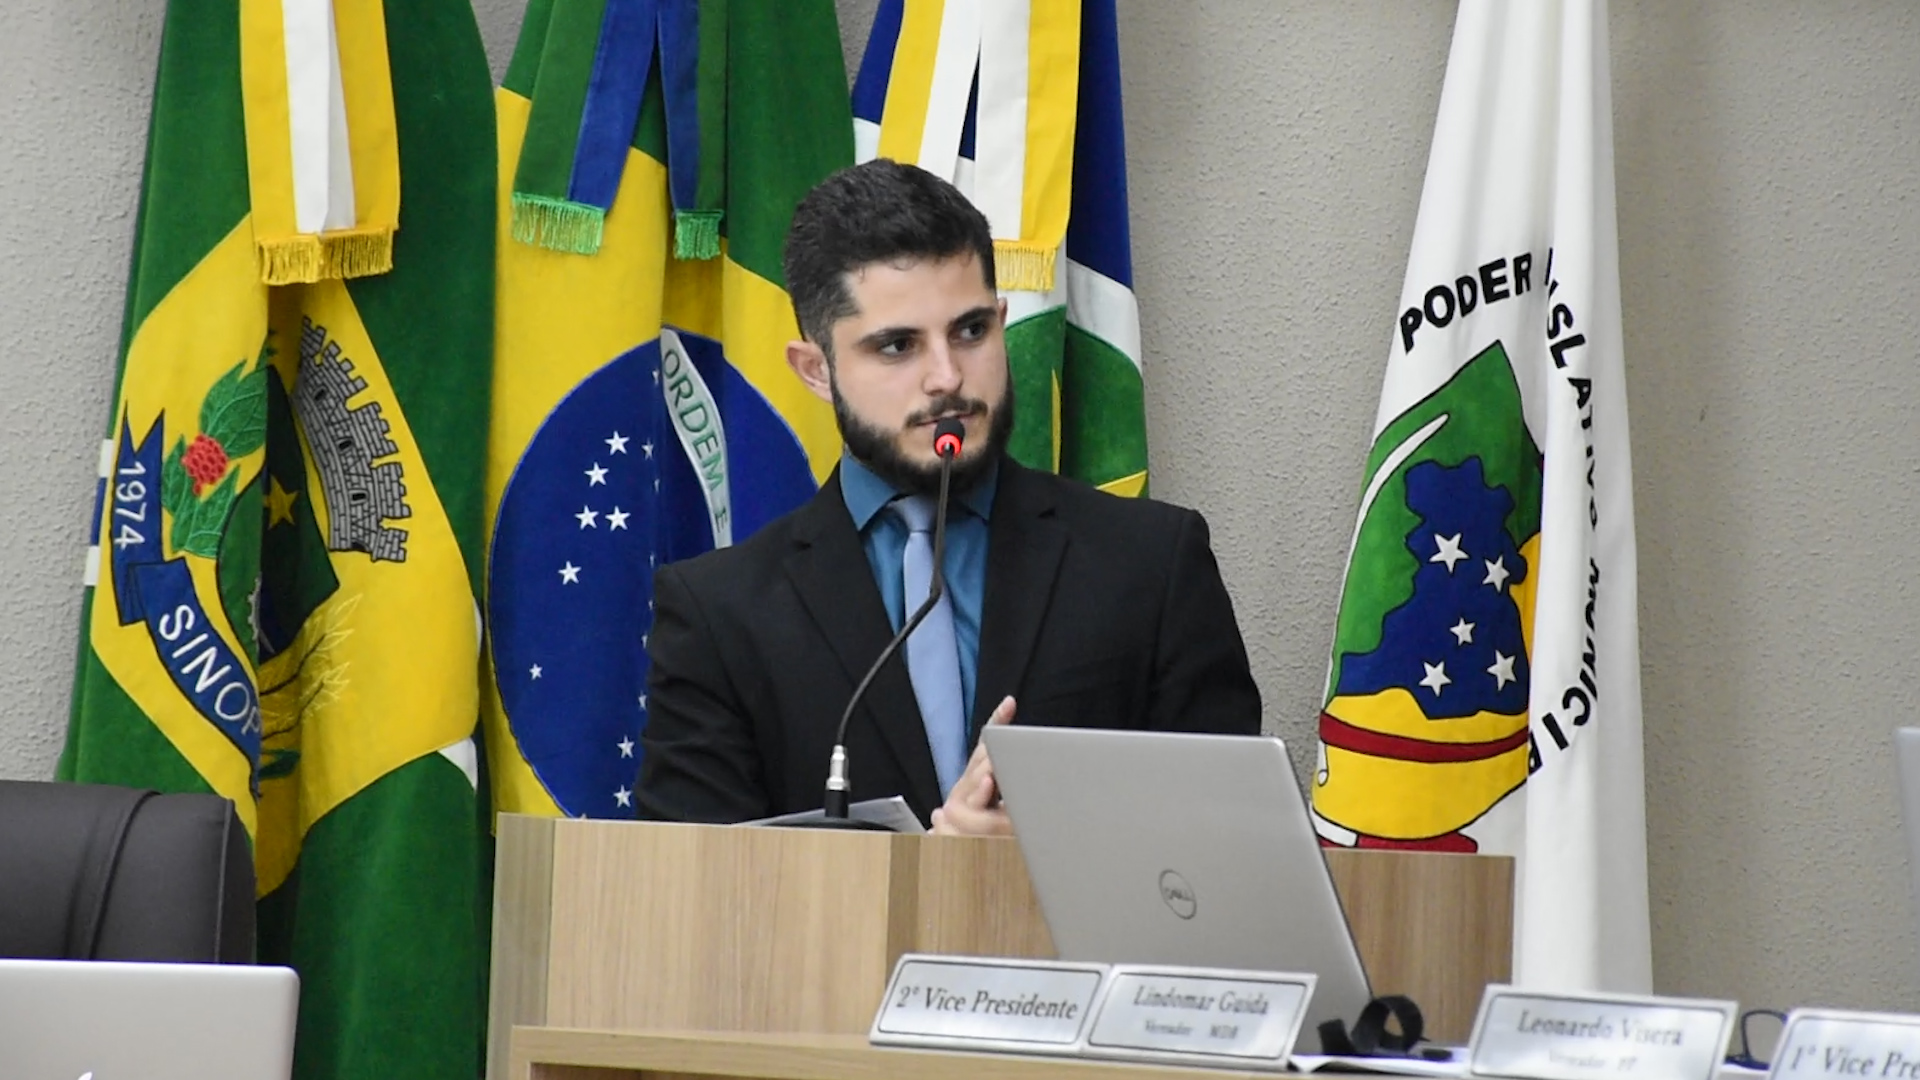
(966, 1003)
(1201, 1016)
(1536, 1036)
(1837, 1044)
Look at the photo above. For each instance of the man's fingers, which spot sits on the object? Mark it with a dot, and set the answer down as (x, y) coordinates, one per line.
(979, 763)
(969, 821)
(975, 790)
(979, 756)
(981, 794)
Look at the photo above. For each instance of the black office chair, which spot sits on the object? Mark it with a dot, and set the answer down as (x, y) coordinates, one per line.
(96, 872)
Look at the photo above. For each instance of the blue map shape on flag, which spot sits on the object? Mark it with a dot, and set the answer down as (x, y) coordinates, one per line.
(1456, 646)
(603, 494)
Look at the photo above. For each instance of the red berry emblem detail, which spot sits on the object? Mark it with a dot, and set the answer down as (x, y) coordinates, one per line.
(205, 462)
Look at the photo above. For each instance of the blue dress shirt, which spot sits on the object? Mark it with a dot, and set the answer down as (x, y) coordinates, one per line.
(885, 538)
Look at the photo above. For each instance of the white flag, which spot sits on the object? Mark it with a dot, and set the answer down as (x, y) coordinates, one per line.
(1484, 688)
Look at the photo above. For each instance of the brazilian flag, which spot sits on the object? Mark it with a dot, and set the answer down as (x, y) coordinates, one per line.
(282, 608)
(651, 155)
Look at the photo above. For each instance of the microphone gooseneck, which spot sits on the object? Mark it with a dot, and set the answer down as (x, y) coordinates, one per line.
(948, 436)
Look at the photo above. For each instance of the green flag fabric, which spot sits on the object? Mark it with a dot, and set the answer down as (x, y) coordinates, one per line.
(282, 601)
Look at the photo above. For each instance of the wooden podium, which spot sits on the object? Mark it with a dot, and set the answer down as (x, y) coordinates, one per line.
(627, 927)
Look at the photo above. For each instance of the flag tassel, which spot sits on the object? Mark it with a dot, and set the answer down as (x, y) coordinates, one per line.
(1023, 266)
(290, 260)
(558, 224)
(352, 253)
(696, 234)
(304, 258)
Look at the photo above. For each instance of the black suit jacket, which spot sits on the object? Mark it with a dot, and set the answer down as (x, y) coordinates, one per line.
(1099, 611)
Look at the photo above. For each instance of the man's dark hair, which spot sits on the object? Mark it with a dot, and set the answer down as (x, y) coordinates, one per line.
(879, 211)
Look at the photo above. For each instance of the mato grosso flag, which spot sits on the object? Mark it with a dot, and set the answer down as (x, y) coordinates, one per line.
(282, 603)
(1018, 103)
(1484, 688)
(643, 408)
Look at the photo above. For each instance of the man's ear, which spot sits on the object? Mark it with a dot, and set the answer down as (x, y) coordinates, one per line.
(809, 362)
(1003, 312)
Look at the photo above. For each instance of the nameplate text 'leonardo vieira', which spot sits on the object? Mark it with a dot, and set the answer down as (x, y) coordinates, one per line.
(1536, 1036)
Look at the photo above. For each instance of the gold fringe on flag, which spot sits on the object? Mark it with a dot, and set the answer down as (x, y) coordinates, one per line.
(1021, 58)
(309, 70)
(1020, 266)
(347, 253)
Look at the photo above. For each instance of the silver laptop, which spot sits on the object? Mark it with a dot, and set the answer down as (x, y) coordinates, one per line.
(1906, 745)
(68, 1020)
(1164, 848)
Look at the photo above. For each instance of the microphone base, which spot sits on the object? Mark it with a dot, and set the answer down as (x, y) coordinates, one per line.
(847, 824)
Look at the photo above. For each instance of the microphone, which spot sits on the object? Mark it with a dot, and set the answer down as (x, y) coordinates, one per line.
(948, 435)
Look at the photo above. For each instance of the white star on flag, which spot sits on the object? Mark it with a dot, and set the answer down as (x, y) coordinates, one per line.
(1497, 574)
(1449, 550)
(1436, 676)
(617, 444)
(626, 746)
(643, 701)
(534, 671)
(1502, 670)
(623, 796)
(596, 475)
(617, 518)
(646, 448)
(1463, 631)
(587, 516)
(569, 574)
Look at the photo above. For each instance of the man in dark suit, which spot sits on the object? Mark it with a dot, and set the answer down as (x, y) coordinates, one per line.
(1088, 609)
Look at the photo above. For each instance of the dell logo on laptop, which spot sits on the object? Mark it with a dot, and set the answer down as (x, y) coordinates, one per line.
(1177, 894)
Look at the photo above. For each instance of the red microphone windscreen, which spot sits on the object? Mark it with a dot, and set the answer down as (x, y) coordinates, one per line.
(947, 435)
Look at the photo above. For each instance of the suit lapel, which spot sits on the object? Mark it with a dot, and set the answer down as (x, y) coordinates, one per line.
(1024, 548)
(829, 568)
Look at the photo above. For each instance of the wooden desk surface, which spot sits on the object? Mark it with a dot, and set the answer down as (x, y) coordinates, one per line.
(639, 926)
(571, 1054)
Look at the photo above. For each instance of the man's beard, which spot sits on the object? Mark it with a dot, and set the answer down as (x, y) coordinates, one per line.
(875, 447)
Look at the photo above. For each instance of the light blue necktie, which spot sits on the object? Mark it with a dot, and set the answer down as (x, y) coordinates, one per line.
(933, 655)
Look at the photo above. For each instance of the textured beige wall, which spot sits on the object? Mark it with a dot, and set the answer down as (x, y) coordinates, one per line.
(1769, 172)
(1767, 161)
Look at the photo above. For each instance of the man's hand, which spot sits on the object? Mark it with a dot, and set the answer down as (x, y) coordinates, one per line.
(973, 806)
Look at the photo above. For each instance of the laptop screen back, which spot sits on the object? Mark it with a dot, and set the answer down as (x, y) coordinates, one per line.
(62, 1020)
(1906, 745)
(1152, 847)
